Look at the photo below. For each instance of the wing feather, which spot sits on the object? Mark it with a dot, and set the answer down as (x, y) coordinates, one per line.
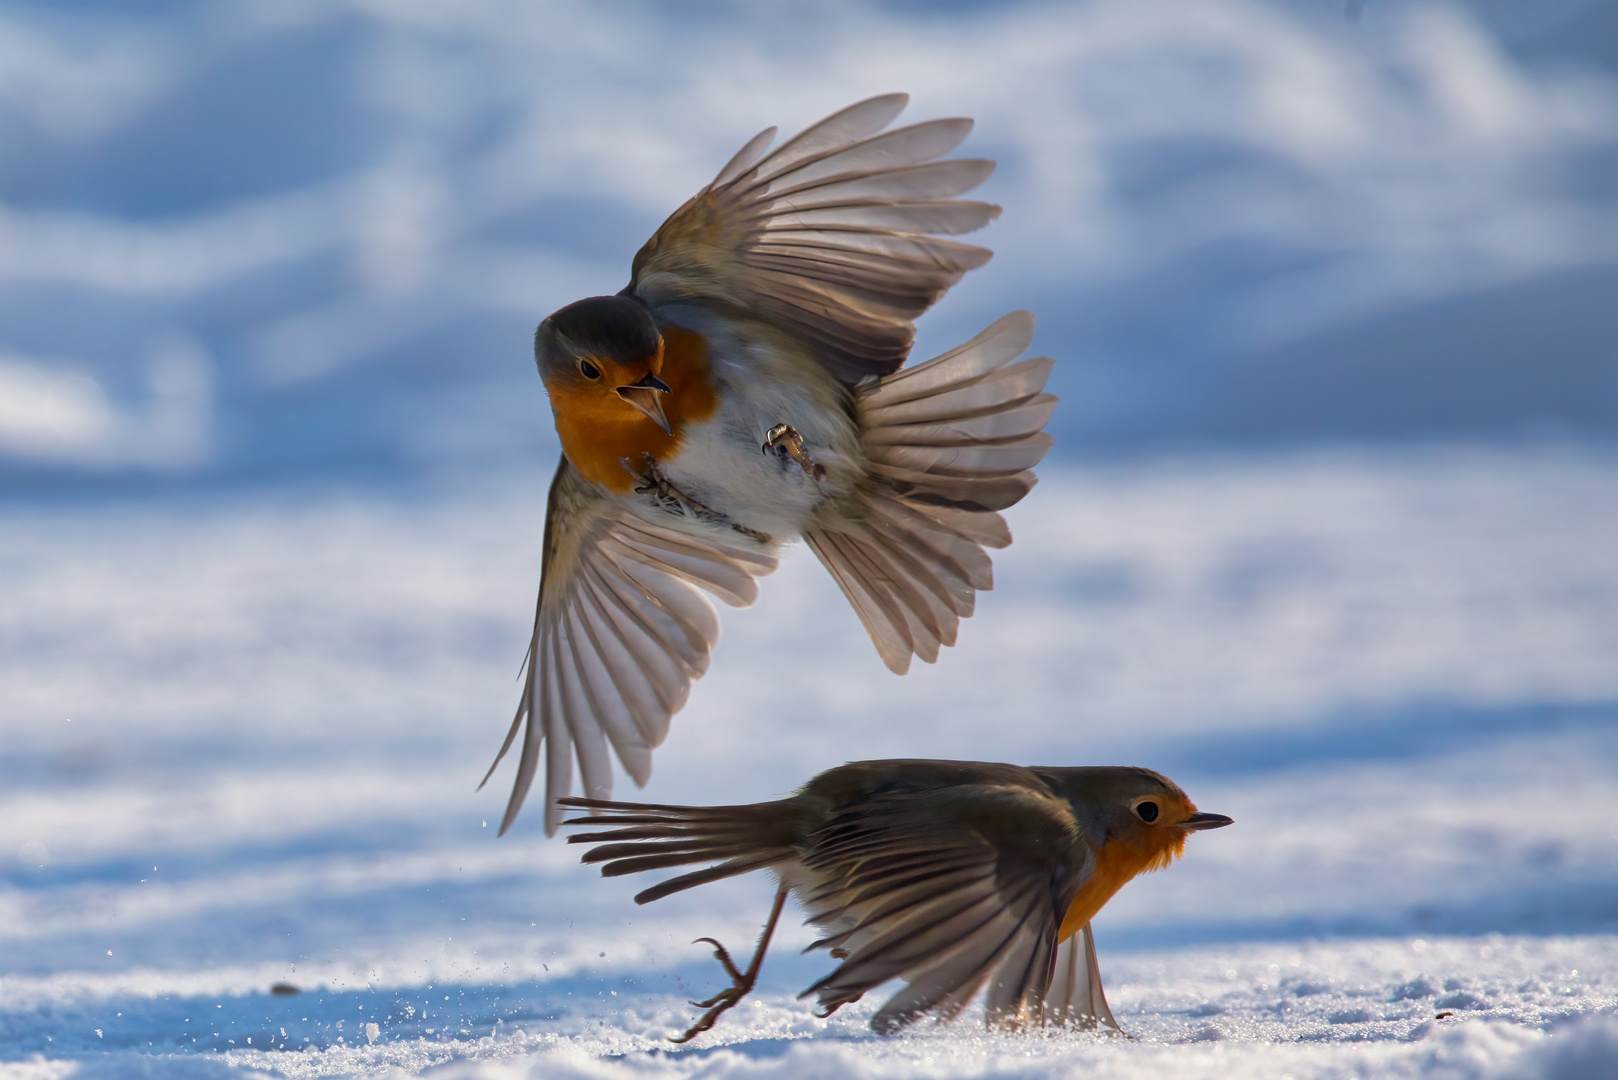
(658, 659)
(747, 157)
(559, 750)
(947, 893)
(577, 718)
(896, 149)
(1075, 998)
(593, 703)
(849, 124)
(686, 621)
(872, 601)
(1001, 342)
(836, 237)
(960, 966)
(622, 628)
(932, 180)
(950, 442)
(634, 689)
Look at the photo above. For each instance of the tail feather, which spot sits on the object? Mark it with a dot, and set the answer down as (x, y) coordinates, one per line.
(654, 836)
(702, 877)
(951, 442)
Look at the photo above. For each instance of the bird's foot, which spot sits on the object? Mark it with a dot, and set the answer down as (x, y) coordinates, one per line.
(741, 984)
(787, 443)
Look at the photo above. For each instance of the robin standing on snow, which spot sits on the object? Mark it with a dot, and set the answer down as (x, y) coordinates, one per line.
(949, 875)
(745, 390)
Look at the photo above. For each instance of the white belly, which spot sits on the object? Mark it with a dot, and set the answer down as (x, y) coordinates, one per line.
(721, 464)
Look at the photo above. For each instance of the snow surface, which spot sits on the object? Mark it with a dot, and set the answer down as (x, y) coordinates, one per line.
(242, 734)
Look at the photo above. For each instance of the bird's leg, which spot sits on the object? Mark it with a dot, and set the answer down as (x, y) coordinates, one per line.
(741, 981)
(787, 443)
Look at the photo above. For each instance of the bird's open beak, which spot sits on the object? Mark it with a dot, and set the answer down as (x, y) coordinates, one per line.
(645, 396)
(1205, 821)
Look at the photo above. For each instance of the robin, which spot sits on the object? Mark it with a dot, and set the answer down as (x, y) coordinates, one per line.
(744, 390)
(953, 876)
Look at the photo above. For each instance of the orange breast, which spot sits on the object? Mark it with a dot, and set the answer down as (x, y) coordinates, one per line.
(599, 430)
(1116, 864)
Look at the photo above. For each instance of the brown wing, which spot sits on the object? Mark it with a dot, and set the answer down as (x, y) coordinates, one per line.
(620, 633)
(834, 237)
(949, 892)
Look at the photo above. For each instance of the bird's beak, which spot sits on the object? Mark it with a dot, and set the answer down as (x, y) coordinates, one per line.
(1205, 821)
(644, 395)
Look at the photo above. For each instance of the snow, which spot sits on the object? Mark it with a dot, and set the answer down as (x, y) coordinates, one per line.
(243, 733)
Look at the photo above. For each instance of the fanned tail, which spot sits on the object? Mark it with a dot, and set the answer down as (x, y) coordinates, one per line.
(950, 442)
(653, 836)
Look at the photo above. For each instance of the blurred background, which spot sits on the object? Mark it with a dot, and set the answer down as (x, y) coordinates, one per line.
(251, 242)
(1328, 532)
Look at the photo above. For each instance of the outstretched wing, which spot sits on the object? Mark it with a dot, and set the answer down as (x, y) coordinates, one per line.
(949, 442)
(835, 237)
(621, 631)
(950, 896)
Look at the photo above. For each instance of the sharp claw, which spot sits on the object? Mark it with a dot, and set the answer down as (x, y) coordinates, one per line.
(722, 1001)
(696, 1029)
(787, 443)
(716, 1006)
(741, 983)
(723, 956)
(716, 999)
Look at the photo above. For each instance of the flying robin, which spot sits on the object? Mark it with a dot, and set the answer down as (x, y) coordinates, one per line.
(950, 875)
(745, 390)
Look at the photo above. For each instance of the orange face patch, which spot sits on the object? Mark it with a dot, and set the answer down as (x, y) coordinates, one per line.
(600, 430)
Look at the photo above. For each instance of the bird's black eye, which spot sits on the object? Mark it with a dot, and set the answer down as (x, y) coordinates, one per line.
(1146, 810)
(589, 370)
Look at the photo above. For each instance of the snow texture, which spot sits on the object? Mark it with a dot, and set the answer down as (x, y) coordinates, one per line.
(242, 738)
